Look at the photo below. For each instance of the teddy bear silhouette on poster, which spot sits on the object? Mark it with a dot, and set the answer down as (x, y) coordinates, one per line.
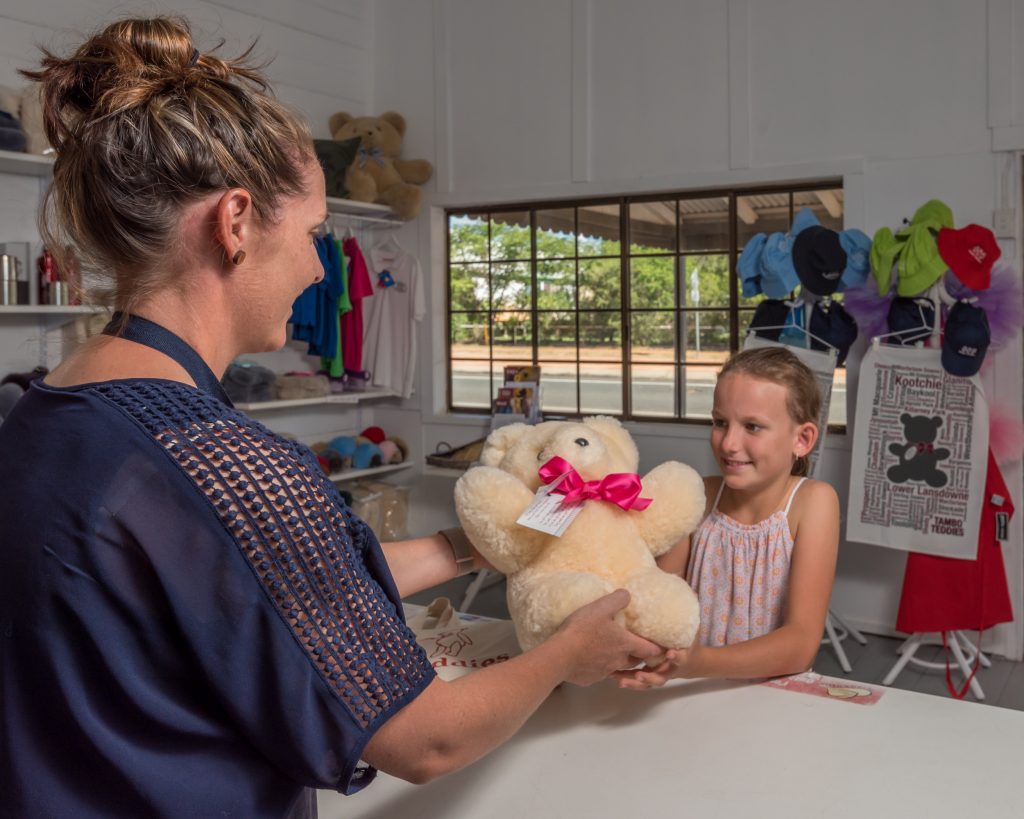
(919, 457)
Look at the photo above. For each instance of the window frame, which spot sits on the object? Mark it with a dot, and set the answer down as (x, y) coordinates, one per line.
(735, 310)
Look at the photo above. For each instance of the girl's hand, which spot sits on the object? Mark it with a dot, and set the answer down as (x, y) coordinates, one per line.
(676, 663)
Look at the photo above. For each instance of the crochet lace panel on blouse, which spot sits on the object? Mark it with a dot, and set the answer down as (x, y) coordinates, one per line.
(301, 541)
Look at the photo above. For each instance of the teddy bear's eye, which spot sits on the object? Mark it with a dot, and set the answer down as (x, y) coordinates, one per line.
(582, 442)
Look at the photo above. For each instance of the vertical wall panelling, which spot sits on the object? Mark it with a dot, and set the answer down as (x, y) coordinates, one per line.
(739, 83)
(443, 164)
(581, 98)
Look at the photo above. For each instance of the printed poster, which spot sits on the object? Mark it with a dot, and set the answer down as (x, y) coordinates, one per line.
(823, 364)
(920, 449)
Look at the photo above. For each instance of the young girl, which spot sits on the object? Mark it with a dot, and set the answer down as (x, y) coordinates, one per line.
(763, 559)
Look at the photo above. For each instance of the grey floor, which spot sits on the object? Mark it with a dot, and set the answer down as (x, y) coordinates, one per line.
(1003, 683)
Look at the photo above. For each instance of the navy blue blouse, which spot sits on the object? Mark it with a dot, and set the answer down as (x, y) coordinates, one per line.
(192, 623)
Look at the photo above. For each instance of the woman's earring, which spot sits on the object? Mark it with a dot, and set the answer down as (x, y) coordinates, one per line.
(238, 258)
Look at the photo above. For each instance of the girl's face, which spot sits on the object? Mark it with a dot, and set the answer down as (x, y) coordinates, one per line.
(753, 436)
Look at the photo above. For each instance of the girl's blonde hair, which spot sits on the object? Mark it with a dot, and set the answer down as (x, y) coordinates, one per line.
(779, 366)
(143, 125)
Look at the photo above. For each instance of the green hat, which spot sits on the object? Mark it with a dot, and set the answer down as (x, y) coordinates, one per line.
(884, 249)
(934, 214)
(920, 264)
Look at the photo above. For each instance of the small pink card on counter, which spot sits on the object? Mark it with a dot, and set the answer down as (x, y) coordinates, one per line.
(829, 687)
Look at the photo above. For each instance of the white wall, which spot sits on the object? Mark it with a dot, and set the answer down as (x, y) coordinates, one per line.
(552, 98)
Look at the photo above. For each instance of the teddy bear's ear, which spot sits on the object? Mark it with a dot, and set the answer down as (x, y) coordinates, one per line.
(501, 441)
(396, 120)
(338, 121)
(616, 437)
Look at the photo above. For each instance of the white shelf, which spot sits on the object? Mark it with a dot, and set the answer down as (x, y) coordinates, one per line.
(349, 398)
(48, 310)
(363, 211)
(443, 472)
(353, 474)
(25, 164)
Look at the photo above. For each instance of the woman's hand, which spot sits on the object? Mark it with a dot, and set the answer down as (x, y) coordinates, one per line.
(681, 663)
(598, 646)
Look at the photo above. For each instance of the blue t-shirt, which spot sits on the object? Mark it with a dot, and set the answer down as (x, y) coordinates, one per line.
(192, 623)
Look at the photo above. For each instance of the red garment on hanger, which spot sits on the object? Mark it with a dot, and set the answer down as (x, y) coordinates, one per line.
(946, 594)
(359, 288)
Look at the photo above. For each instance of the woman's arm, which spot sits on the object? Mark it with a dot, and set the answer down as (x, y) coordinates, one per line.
(451, 724)
(792, 647)
(423, 562)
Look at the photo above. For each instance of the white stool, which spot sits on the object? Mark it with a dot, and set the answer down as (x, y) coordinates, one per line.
(835, 637)
(485, 578)
(963, 650)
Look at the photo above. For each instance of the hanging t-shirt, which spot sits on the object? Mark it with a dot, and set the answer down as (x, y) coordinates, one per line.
(398, 304)
(944, 593)
(314, 316)
(359, 288)
(333, 364)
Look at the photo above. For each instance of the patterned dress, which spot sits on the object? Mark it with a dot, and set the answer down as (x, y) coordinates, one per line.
(740, 573)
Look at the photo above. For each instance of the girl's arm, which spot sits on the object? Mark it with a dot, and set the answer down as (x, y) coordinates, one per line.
(792, 647)
(677, 559)
(423, 562)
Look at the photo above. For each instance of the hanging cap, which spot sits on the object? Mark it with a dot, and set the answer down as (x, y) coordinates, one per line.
(749, 265)
(834, 326)
(910, 320)
(819, 259)
(770, 313)
(965, 340)
(970, 253)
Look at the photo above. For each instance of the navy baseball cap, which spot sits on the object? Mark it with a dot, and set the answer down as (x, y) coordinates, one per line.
(910, 320)
(965, 339)
(819, 259)
(770, 313)
(832, 324)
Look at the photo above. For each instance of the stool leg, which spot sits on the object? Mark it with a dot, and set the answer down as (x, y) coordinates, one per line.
(473, 589)
(907, 651)
(954, 644)
(985, 661)
(837, 646)
(856, 635)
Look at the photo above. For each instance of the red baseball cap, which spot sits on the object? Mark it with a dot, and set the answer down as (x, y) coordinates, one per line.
(374, 434)
(970, 253)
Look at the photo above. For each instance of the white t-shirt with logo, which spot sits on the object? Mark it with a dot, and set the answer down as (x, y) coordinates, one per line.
(389, 352)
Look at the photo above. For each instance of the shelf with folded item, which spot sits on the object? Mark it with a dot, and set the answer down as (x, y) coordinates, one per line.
(443, 471)
(25, 164)
(353, 397)
(363, 212)
(353, 474)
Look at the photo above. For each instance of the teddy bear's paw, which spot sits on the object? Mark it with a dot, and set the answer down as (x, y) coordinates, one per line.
(677, 492)
(540, 602)
(663, 608)
(488, 501)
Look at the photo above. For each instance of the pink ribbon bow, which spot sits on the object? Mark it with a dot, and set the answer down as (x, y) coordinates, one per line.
(621, 488)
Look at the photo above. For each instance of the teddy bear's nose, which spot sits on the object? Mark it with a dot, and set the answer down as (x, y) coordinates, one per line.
(582, 442)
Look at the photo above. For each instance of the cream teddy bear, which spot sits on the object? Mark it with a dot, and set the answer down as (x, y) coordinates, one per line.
(606, 547)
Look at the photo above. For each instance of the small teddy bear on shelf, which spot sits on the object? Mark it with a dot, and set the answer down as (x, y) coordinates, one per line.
(377, 174)
(612, 542)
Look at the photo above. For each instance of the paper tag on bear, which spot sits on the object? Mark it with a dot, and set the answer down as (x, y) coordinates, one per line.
(547, 513)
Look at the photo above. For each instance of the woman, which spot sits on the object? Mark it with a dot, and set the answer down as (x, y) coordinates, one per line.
(191, 621)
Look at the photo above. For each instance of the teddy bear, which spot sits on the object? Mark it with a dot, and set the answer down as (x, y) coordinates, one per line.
(377, 174)
(612, 542)
(918, 458)
(26, 106)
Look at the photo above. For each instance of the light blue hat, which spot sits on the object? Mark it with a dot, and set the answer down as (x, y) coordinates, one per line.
(749, 266)
(857, 245)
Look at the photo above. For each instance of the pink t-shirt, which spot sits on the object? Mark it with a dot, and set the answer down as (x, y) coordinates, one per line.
(359, 288)
(740, 573)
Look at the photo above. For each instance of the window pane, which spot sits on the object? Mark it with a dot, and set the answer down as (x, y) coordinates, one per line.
(704, 224)
(510, 235)
(556, 284)
(653, 336)
(467, 238)
(512, 335)
(510, 286)
(601, 389)
(556, 233)
(599, 233)
(556, 336)
(697, 389)
(652, 227)
(761, 213)
(471, 384)
(558, 387)
(600, 284)
(826, 204)
(601, 336)
(652, 281)
(705, 281)
(705, 335)
(469, 335)
(469, 287)
(652, 390)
